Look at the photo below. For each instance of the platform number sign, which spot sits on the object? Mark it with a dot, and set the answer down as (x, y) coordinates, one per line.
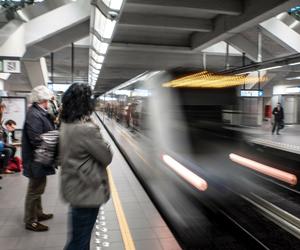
(11, 66)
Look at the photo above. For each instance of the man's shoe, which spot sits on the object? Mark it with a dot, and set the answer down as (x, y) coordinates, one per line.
(37, 227)
(43, 217)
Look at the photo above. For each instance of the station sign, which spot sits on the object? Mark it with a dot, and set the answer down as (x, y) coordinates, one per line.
(10, 65)
(252, 93)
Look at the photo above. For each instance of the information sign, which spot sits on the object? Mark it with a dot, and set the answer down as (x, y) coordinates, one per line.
(251, 93)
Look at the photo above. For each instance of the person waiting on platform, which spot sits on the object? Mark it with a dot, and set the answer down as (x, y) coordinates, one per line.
(53, 110)
(15, 162)
(10, 126)
(36, 123)
(84, 156)
(6, 151)
(278, 118)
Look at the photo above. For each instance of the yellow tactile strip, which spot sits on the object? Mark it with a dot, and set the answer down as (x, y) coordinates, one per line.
(126, 235)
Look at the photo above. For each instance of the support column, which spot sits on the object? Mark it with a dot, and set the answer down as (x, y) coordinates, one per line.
(227, 66)
(2, 91)
(259, 46)
(37, 72)
(204, 61)
(72, 63)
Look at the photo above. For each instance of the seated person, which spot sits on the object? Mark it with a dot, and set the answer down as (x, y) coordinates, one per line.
(10, 126)
(13, 164)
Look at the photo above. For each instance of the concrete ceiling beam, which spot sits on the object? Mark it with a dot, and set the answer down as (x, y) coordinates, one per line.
(133, 47)
(8, 30)
(243, 44)
(164, 22)
(58, 40)
(37, 29)
(228, 7)
(282, 34)
(226, 27)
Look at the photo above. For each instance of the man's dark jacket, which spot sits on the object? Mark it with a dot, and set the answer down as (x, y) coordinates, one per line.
(279, 114)
(37, 122)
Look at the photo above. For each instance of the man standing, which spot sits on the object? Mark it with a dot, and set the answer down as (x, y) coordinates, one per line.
(278, 118)
(37, 122)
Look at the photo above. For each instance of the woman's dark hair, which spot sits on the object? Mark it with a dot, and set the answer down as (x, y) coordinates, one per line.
(77, 103)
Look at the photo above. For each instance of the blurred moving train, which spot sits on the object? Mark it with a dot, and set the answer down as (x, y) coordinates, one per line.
(215, 189)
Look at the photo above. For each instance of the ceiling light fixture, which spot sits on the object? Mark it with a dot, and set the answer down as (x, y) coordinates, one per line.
(103, 22)
(293, 64)
(104, 26)
(270, 68)
(100, 47)
(293, 78)
(113, 4)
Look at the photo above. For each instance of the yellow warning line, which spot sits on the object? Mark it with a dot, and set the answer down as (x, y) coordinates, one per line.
(126, 235)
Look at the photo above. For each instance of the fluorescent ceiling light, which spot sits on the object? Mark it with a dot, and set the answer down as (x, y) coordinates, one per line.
(294, 24)
(104, 26)
(23, 16)
(97, 58)
(113, 4)
(244, 73)
(292, 90)
(95, 71)
(270, 68)
(94, 77)
(281, 15)
(99, 46)
(296, 63)
(293, 78)
(96, 65)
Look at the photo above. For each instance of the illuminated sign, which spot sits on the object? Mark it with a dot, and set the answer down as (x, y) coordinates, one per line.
(251, 93)
(293, 90)
(282, 90)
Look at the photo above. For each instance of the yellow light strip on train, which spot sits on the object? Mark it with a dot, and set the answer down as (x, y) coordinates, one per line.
(207, 79)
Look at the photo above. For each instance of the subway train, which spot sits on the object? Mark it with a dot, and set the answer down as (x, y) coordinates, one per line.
(214, 187)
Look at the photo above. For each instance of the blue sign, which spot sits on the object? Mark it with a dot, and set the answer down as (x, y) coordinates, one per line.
(252, 93)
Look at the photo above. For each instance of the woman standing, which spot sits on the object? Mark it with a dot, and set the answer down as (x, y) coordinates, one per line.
(84, 157)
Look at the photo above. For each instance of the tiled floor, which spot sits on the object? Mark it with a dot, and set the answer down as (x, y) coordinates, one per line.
(147, 228)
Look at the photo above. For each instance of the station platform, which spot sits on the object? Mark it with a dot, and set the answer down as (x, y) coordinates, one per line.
(288, 140)
(128, 221)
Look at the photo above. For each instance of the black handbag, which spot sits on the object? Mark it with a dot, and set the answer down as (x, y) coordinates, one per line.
(47, 152)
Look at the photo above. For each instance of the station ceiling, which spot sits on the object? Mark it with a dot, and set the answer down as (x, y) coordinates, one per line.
(161, 35)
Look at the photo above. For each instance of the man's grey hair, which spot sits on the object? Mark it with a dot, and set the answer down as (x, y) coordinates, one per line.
(41, 93)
